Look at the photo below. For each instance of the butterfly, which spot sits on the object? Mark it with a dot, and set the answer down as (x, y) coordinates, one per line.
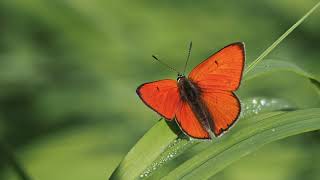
(203, 104)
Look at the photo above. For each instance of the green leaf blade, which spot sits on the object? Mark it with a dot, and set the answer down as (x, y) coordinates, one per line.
(272, 65)
(144, 153)
(160, 146)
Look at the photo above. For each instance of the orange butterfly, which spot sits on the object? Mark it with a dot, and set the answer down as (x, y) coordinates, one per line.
(203, 103)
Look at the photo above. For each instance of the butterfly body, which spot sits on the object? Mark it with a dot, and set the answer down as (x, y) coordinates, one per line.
(190, 93)
(203, 103)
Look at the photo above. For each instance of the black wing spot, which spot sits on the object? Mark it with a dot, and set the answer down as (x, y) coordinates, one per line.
(216, 62)
(158, 88)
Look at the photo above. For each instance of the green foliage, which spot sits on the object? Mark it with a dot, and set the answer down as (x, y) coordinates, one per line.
(69, 69)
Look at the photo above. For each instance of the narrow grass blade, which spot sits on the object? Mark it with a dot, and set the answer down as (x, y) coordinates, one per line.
(280, 39)
(271, 66)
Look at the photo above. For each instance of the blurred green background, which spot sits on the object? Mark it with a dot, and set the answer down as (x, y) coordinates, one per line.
(69, 70)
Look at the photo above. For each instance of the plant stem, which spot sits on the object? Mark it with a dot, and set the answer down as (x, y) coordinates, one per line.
(279, 40)
(7, 153)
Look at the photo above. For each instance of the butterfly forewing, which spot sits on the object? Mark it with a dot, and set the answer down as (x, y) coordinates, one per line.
(161, 96)
(222, 70)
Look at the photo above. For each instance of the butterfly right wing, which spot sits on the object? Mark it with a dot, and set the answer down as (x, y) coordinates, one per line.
(161, 96)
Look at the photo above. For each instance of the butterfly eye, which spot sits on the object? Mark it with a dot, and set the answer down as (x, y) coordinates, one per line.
(179, 76)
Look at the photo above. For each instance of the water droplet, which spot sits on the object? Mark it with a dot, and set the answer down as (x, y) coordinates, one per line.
(262, 102)
(254, 101)
(273, 129)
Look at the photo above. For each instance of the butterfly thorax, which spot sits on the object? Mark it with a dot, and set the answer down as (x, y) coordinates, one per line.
(188, 90)
(191, 93)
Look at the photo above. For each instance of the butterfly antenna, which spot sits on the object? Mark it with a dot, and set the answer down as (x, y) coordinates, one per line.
(189, 52)
(164, 64)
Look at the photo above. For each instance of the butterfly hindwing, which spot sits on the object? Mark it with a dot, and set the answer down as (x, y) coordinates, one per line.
(222, 70)
(189, 123)
(224, 108)
(161, 96)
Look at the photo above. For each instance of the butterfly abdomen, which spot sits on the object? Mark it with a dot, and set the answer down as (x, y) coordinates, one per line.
(191, 94)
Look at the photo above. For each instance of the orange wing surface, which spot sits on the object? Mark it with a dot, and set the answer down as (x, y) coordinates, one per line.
(222, 70)
(161, 96)
(224, 108)
(189, 123)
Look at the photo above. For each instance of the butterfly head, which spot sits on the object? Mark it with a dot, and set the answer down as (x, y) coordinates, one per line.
(180, 76)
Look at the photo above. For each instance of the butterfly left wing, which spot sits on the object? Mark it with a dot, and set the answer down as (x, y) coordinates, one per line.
(188, 122)
(224, 108)
(222, 70)
(161, 96)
